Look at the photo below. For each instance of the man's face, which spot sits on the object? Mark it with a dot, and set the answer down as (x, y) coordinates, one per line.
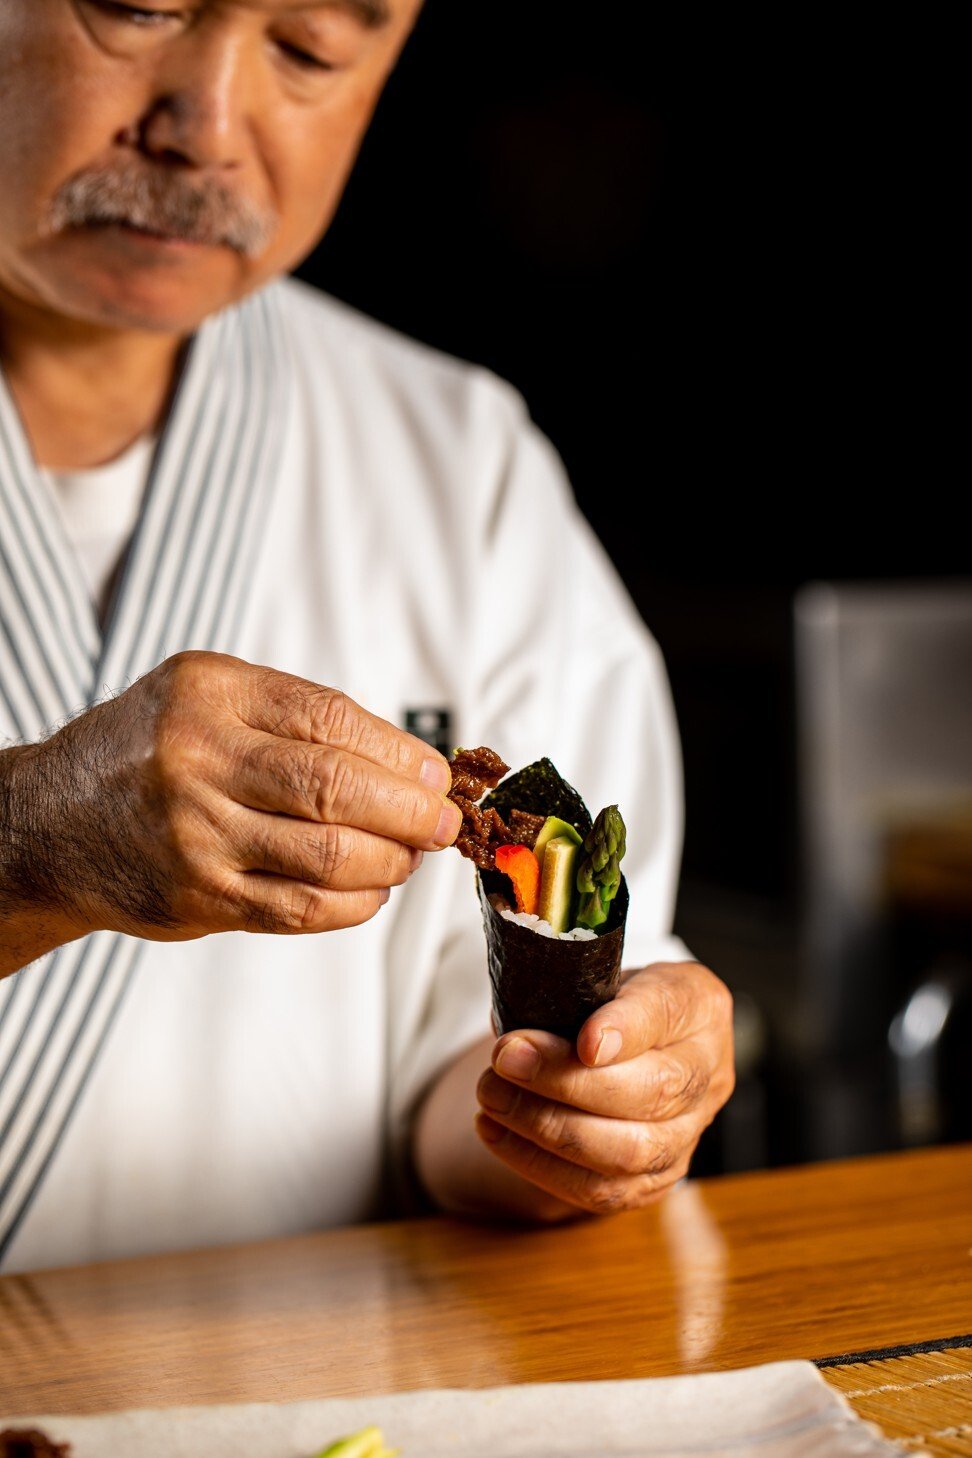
(161, 160)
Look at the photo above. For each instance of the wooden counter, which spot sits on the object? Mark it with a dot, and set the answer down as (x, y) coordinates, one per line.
(823, 1261)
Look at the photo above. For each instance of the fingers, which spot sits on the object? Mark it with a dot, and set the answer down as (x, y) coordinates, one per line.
(586, 1188)
(660, 1084)
(294, 708)
(333, 856)
(613, 1147)
(657, 1007)
(225, 820)
(283, 907)
(612, 1123)
(330, 785)
(281, 743)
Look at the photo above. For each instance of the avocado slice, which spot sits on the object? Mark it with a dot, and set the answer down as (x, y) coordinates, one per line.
(557, 876)
(552, 826)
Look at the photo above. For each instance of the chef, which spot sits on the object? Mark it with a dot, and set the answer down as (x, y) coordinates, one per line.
(263, 564)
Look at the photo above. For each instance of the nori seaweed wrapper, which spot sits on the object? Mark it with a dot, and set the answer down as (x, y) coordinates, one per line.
(545, 982)
(542, 790)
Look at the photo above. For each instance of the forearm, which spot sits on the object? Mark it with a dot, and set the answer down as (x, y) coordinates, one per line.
(456, 1169)
(32, 921)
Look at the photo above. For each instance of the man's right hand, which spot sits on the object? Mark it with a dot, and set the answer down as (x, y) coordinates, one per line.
(210, 796)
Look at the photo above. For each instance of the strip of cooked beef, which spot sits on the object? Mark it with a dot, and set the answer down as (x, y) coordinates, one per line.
(30, 1443)
(525, 827)
(474, 771)
(482, 832)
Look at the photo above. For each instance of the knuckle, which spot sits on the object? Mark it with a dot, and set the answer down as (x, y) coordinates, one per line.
(206, 909)
(184, 674)
(166, 760)
(263, 855)
(654, 1156)
(287, 694)
(631, 1155)
(331, 713)
(551, 1126)
(308, 909)
(396, 867)
(287, 773)
(297, 909)
(675, 1086)
(640, 1153)
(179, 666)
(334, 787)
(329, 854)
(694, 1083)
(607, 1196)
(305, 908)
(648, 1192)
(535, 1159)
(262, 918)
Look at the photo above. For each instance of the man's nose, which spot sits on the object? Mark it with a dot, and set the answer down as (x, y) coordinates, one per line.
(201, 109)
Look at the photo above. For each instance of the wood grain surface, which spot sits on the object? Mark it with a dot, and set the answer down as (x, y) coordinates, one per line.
(823, 1260)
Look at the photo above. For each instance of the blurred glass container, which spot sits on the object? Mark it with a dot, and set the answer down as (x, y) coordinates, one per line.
(884, 721)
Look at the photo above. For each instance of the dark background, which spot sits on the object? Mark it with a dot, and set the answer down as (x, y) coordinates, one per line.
(719, 261)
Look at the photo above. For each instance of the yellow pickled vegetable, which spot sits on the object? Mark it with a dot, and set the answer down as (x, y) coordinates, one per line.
(367, 1443)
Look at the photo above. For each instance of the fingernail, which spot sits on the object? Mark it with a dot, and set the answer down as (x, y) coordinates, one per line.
(608, 1048)
(489, 1130)
(518, 1059)
(449, 822)
(415, 860)
(436, 774)
(497, 1094)
(383, 895)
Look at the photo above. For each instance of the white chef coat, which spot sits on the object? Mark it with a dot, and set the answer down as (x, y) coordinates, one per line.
(424, 550)
(99, 508)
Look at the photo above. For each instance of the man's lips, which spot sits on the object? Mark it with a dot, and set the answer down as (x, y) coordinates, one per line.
(148, 236)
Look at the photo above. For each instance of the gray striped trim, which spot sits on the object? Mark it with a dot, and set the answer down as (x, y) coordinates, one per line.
(183, 586)
(31, 525)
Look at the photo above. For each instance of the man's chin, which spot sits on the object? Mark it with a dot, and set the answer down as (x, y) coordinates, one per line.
(127, 280)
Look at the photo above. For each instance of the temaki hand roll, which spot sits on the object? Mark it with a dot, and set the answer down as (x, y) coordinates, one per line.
(553, 897)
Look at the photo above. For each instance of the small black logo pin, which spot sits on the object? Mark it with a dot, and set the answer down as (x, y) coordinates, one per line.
(432, 725)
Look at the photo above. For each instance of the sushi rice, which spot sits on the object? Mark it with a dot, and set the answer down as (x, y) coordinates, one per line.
(537, 924)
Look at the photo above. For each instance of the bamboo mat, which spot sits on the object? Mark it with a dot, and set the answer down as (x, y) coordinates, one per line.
(921, 1399)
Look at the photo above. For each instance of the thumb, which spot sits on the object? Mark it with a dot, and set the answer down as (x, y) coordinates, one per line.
(654, 1007)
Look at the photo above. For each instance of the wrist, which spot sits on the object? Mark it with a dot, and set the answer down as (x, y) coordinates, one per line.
(37, 909)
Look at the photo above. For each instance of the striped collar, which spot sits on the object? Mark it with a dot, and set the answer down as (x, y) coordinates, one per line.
(187, 565)
(183, 586)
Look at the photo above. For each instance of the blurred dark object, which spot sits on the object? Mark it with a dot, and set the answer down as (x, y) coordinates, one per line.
(864, 989)
(884, 717)
(725, 287)
(929, 887)
(884, 708)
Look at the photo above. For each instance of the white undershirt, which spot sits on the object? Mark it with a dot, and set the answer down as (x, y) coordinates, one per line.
(99, 509)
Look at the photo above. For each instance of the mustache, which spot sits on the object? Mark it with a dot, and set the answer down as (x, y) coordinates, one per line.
(162, 202)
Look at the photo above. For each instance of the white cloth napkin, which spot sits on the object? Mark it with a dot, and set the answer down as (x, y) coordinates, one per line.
(777, 1410)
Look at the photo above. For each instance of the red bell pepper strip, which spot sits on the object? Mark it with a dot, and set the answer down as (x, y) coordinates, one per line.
(521, 865)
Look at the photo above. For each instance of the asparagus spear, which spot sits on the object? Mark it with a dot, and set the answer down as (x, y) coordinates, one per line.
(599, 869)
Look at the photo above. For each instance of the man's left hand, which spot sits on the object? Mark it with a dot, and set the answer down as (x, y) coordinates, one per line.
(611, 1122)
